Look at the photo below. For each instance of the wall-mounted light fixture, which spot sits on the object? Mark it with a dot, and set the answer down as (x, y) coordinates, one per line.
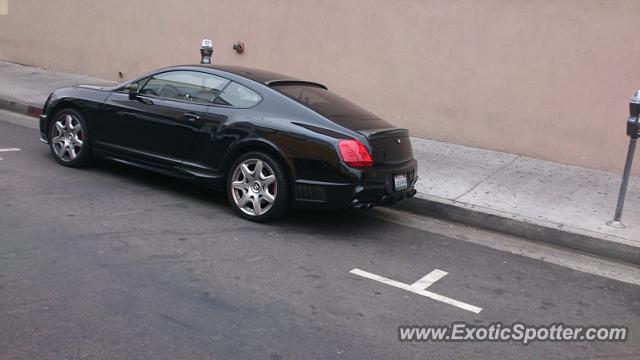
(239, 47)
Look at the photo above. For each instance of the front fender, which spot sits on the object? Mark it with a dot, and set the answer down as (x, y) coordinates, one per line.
(88, 101)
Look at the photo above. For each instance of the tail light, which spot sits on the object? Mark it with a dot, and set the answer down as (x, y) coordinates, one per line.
(354, 153)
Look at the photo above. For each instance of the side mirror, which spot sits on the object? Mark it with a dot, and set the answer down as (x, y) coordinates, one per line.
(133, 90)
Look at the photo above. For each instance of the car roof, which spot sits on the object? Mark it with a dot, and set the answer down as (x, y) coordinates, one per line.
(265, 77)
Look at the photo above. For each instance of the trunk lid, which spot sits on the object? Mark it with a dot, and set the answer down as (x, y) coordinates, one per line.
(390, 146)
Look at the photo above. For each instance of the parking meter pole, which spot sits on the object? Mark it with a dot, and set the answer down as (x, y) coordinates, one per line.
(633, 131)
(625, 182)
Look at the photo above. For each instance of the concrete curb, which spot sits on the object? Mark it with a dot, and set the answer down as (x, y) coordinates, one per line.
(592, 243)
(21, 107)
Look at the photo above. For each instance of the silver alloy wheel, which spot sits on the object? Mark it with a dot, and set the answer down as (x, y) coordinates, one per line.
(67, 138)
(254, 187)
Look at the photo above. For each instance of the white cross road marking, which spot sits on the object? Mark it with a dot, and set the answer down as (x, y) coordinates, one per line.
(419, 287)
(429, 279)
(7, 150)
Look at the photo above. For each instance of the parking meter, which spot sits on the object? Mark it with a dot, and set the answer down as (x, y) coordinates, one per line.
(633, 131)
(206, 51)
(633, 125)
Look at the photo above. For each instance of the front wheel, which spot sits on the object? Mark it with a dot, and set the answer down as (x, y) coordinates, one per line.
(69, 138)
(258, 187)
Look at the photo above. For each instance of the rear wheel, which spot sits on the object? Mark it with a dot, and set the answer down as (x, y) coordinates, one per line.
(69, 138)
(258, 187)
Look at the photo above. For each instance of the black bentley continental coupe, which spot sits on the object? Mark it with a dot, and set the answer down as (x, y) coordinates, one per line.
(270, 140)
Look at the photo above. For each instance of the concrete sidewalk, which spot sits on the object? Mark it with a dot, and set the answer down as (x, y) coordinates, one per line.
(24, 89)
(541, 200)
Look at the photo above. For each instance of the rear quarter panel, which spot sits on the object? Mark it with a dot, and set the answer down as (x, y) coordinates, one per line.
(306, 141)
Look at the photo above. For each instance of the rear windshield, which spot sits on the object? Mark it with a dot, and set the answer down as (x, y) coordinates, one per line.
(323, 101)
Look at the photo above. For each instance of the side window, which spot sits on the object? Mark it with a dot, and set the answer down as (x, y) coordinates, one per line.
(141, 82)
(237, 96)
(190, 86)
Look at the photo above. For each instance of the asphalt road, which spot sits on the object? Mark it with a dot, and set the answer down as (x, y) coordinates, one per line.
(110, 262)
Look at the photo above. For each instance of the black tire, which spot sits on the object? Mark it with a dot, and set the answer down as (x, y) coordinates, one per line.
(279, 206)
(82, 152)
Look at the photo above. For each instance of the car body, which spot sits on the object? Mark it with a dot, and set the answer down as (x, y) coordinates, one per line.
(193, 121)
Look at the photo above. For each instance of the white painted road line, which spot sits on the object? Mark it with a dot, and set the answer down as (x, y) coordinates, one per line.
(534, 250)
(7, 150)
(414, 288)
(429, 279)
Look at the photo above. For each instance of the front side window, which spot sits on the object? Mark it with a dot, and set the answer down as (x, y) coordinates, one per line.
(237, 96)
(141, 82)
(189, 86)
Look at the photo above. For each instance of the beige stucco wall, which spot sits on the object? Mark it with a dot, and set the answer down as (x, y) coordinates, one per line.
(544, 78)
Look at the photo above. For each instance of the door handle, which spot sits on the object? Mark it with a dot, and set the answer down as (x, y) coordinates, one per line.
(191, 117)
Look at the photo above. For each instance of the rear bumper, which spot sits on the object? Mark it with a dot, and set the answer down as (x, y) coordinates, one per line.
(376, 186)
(365, 188)
(384, 199)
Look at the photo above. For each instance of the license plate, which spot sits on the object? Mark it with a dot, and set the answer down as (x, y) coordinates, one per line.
(399, 182)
